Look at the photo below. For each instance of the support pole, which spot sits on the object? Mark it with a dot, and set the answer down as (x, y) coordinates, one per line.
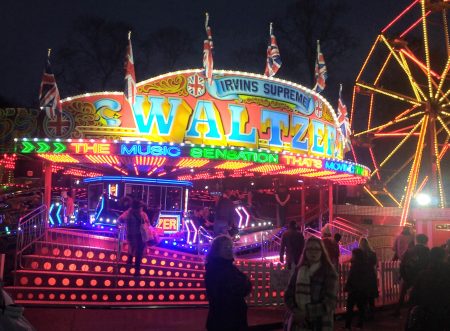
(330, 203)
(321, 191)
(303, 207)
(47, 188)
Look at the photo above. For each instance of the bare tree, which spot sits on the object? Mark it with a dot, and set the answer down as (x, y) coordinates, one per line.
(307, 21)
(163, 49)
(92, 57)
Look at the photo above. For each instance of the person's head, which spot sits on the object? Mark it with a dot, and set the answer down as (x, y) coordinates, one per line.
(357, 256)
(406, 231)
(136, 205)
(326, 231)
(292, 225)
(221, 247)
(314, 252)
(337, 237)
(206, 211)
(227, 192)
(365, 245)
(421, 239)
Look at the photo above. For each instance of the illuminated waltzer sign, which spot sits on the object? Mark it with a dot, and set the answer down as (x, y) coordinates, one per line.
(237, 109)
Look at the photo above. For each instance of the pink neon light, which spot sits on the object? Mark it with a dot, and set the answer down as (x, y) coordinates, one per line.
(394, 134)
(413, 25)
(399, 16)
(240, 217)
(247, 216)
(374, 162)
(420, 64)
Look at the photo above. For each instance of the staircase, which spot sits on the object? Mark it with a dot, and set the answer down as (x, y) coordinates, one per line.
(70, 267)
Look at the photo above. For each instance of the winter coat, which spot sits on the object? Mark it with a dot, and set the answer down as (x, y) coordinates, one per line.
(293, 243)
(372, 282)
(414, 261)
(332, 248)
(323, 289)
(226, 288)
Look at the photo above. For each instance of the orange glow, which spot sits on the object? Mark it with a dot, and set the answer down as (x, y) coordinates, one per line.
(60, 158)
(187, 162)
(268, 168)
(104, 159)
(232, 165)
(149, 160)
(399, 16)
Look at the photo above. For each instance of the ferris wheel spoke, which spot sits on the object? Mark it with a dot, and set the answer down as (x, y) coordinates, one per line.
(443, 124)
(400, 144)
(390, 195)
(368, 57)
(389, 93)
(416, 89)
(413, 174)
(447, 38)
(402, 64)
(425, 43)
(438, 170)
(443, 77)
(385, 125)
(369, 192)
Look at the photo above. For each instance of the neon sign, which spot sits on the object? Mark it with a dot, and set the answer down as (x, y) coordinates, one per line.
(91, 148)
(237, 110)
(153, 150)
(302, 161)
(346, 167)
(169, 223)
(232, 154)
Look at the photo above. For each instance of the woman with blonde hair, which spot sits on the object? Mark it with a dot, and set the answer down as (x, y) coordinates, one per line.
(371, 277)
(226, 288)
(311, 294)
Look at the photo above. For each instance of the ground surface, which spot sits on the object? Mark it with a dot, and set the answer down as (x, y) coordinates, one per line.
(169, 319)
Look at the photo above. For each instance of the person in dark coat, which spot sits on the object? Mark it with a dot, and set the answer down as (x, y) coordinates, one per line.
(282, 197)
(224, 214)
(134, 217)
(430, 295)
(226, 288)
(331, 246)
(371, 262)
(413, 262)
(292, 242)
(357, 286)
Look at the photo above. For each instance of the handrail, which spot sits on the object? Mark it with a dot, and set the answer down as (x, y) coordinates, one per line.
(345, 222)
(31, 227)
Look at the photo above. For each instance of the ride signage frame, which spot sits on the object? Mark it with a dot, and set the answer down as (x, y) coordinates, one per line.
(236, 110)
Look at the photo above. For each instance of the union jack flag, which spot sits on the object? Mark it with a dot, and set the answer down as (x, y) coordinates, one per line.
(208, 62)
(130, 76)
(49, 98)
(344, 122)
(273, 62)
(320, 71)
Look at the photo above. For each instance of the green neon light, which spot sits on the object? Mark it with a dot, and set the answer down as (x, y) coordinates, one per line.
(27, 147)
(233, 155)
(59, 147)
(43, 147)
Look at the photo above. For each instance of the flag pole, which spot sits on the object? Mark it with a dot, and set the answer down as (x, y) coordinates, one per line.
(49, 51)
(271, 29)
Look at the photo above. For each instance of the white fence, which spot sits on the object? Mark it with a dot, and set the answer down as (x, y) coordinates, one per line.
(270, 280)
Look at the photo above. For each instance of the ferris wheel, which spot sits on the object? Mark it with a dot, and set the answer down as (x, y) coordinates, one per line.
(401, 108)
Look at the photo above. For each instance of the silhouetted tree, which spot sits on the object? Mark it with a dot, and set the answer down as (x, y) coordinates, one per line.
(92, 58)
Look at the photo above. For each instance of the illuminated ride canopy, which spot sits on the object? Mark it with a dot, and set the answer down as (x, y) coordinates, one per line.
(181, 128)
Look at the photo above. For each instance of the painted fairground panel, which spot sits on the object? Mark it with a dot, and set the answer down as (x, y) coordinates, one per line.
(238, 109)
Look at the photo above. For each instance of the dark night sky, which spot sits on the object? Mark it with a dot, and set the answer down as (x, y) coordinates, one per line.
(28, 28)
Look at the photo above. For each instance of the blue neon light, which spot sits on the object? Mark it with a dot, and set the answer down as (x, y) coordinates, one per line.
(57, 214)
(137, 179)
(50, 218)
(101, 209)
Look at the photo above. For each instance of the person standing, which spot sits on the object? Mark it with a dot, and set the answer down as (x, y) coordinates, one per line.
(430, 295)
(226, 288)
(224, 218)
(134, 217)
(413, 262)
(371, 274)
(292, 242)
(403, 241)
(311, 294)
(357, 288)
(331, 246)
(282, 197)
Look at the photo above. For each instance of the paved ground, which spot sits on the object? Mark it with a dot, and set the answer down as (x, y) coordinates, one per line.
(169, 319)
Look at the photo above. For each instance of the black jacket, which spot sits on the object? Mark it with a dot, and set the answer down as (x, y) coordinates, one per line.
(226, 288)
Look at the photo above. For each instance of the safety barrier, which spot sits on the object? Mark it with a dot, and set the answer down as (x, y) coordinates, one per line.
(270, 280)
